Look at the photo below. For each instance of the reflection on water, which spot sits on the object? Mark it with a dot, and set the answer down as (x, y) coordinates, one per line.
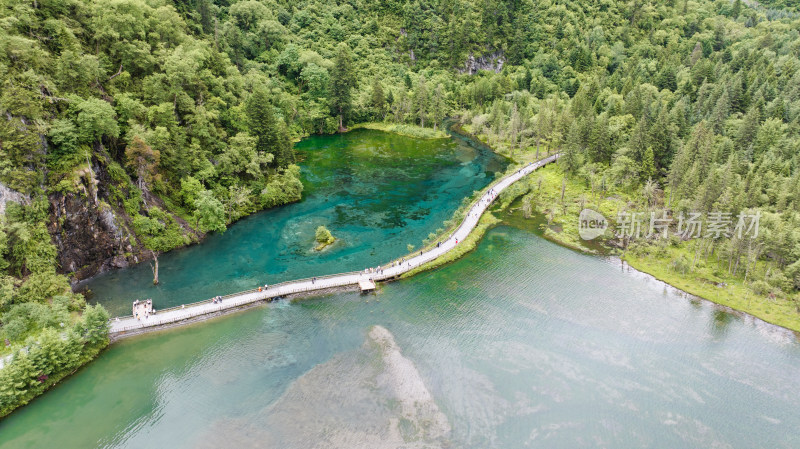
(520, 344)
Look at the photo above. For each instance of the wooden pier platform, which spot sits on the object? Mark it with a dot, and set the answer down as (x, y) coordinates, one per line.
(366, 285)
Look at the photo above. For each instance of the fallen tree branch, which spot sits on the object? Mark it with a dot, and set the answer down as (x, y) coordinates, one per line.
(116, 74)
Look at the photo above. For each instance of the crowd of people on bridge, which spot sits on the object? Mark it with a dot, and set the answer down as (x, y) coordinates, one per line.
(376, 270)
(143, 309)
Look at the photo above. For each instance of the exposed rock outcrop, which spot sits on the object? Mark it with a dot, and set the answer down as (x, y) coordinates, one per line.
(10, 195)
(91, 229)
(91, 236)
(493, 61)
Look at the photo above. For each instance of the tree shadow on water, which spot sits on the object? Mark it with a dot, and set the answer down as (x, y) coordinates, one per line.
(720, 322)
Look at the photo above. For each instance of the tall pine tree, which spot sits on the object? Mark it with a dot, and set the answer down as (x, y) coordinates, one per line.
(270, 131)
(343, 80)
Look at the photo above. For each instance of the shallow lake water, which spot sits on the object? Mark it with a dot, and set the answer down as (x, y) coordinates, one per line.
(522, 343)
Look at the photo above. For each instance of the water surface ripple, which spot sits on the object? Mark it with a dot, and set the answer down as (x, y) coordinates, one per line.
(520, 344)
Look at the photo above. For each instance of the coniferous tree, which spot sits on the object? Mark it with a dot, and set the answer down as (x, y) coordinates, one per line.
(421, 100)
(378, 99)
(270, 131)
(343, 80)
(437, 105)
(737, 8)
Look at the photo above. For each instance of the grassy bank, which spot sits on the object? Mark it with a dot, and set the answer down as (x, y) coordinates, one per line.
(486, 222)
(403, 130)
(704, 273)
(706, 283)
(545, 196)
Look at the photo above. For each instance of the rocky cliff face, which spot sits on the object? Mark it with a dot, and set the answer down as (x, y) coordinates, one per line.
(90, 227)
(89, 237)
(90, 234)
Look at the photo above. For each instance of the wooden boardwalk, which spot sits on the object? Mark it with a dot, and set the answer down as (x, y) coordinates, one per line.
(122, 325)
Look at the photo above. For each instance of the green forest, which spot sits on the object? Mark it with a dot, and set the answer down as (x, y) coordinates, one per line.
(171, 119)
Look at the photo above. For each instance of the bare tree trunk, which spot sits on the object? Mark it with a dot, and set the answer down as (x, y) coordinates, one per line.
(216, 33)
(155, 267)
(730, 263)
(696, 253)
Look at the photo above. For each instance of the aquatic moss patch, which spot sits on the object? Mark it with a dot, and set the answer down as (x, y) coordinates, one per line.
(403, 130)
(324, 238)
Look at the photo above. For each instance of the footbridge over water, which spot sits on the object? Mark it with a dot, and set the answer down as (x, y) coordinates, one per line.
(130, 325)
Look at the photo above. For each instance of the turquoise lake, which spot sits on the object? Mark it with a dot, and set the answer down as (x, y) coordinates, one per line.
(521, 343)
(377, 192)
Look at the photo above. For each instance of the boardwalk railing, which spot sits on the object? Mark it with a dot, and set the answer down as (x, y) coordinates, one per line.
(455, 227)
(391, 270)
(252, 291)
(191, 310)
